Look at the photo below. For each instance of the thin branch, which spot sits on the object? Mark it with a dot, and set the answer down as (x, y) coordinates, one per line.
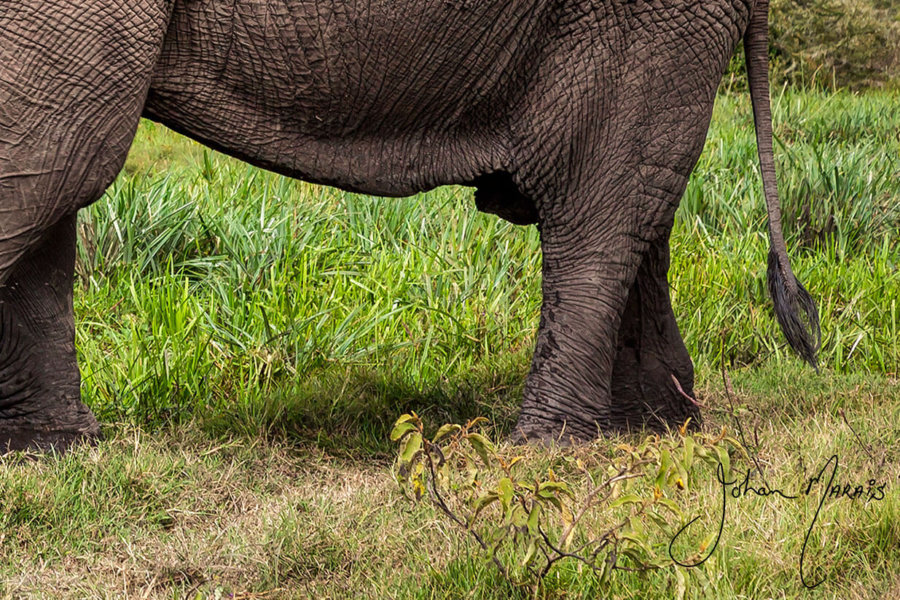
(684, 394)
(729, 393)
(862, 444)
(439, 501)
(589, 500)
(563, 554)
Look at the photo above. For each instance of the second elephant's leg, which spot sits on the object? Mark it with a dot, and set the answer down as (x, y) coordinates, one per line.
(650, 352)
(607, 342)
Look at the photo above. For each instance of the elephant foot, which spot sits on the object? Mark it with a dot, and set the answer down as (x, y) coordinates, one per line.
(652, 396)
(552, 433)
(15, 437)
(40, 407)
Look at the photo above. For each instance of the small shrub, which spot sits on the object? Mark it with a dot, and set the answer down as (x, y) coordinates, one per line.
(589, 509)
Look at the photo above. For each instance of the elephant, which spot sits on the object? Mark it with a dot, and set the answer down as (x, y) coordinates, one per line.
(584, 117)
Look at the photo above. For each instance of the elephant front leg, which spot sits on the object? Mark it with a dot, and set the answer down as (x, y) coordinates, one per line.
(74, 77)
(650, 354)
(39, 379)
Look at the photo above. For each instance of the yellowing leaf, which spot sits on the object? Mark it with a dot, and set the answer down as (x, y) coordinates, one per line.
(550, 487)
(401, 429)
(482, 502)
(505, 489)
(517, 517)
(481, 445)
(638, 540)
(722, 453)
(688, 457)
(533, 519)
(680, 584)
(721, 435)
(670, 505)
(529, 554)
(412, 445)
(626, 499)
(418, 488)
(445, 430)
(568, 520)
(567, 543)
(406, 418)
(706, 542)
(665, 463)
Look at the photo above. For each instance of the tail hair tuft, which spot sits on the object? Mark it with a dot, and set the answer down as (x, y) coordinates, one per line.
(795, 309)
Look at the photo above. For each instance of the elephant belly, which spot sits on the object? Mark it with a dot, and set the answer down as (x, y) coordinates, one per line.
(381, 97)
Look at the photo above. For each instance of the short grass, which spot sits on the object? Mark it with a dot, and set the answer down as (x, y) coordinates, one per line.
(248, 340)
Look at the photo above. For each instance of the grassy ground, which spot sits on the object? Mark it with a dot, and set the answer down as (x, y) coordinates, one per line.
(248, 341)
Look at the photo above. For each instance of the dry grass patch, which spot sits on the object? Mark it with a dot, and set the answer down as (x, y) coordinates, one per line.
(240, 517)
(177, 514)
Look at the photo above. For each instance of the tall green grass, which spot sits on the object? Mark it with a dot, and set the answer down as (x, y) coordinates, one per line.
(839, 176)
(208, 287)
(214, 284)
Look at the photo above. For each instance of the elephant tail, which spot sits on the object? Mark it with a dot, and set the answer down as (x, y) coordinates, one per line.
(794, 307)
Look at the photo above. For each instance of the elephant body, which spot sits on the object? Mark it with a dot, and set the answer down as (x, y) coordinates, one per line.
(583, 116)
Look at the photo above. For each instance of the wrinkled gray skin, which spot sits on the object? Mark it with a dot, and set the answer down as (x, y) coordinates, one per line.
(583, 116)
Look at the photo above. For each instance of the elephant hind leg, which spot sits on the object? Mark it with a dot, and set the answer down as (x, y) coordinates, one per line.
(650, 354)
(608, 345)
(590, 260)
